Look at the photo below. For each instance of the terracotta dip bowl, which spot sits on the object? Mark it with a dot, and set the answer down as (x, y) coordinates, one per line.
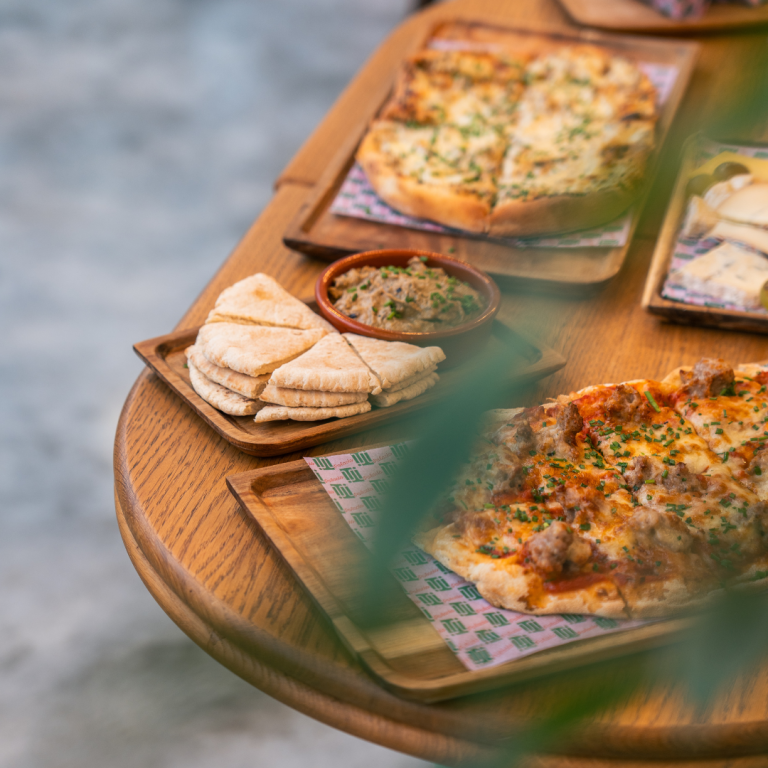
(458, 343)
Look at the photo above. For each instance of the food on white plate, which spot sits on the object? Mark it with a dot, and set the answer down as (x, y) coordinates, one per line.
(727, 273)
(623, 500)
(513, 145)
(412, 299)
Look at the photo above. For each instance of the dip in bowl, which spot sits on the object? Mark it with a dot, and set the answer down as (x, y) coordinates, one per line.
(441, 301)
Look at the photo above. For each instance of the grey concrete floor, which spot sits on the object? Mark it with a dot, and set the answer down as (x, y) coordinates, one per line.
(138, 139)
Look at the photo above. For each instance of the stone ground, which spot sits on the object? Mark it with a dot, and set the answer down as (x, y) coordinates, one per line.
(138, 139)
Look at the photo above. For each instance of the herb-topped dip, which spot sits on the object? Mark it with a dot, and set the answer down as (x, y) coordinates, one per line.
(414, 299)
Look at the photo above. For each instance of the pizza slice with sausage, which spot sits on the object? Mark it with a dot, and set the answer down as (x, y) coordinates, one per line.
(538, 519)
(703, 525)
(729, 409)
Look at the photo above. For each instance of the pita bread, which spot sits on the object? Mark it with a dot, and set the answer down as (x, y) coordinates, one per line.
(247, 386)
(412, 380)
(260, 300)
(331, 366)
(281, 412)
(254, 349)
(221, 397)
(394, 361)
(386, 399)
(297, 398)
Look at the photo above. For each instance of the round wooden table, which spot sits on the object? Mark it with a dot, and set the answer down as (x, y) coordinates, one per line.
(207, 565)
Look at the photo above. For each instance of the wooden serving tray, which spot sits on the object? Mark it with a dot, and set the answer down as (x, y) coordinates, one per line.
(677, 311)
(406, 655)
(319, 233)
(165, 356)
(634, 16)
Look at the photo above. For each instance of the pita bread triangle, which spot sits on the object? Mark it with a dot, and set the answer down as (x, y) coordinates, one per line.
(330, 366)
(394, 361)
(260, 300)
(254, 349)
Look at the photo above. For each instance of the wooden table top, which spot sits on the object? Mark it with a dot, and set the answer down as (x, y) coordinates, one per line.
(212, 572)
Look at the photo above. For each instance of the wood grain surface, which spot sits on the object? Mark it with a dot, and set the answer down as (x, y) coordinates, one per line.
(206, 564)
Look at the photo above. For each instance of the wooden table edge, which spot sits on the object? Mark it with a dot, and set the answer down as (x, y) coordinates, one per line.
(345, 716)
(247, 643)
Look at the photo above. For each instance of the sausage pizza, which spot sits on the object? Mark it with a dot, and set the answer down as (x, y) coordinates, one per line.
(621, 500)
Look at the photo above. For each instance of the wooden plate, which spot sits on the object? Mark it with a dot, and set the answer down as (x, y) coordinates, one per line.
(634, 16)
(677, 311)
(319, 233)
(165, 356)
(407, 655)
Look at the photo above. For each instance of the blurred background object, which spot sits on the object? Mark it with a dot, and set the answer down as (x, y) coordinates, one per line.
(138, 140)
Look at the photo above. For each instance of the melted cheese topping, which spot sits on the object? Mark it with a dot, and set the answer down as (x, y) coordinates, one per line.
(572, 122)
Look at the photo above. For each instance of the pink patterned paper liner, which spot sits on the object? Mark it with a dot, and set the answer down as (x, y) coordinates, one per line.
(688, 249)
(480, 634)
(357, 199)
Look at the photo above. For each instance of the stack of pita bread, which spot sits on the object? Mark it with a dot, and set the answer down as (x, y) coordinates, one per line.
(263, 352)
(254, 328)
(344, 375)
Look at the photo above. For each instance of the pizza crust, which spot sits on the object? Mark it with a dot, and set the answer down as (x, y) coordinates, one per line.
(449, 205)
(508, 585)
(559, 213)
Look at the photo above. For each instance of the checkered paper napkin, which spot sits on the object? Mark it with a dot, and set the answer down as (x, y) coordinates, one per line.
(480, 634)
(357, 199)
(689, 249)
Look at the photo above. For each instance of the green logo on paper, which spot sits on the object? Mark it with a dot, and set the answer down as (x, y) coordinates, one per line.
(342, 491)
(389, 467)
(470, 592)
(463, 609)
(400, 450)
(604, 623)
(487, 635)
(429, 599)
(359, 535)
(441, 585)
(363, 519)
(573, 618)
(441, 567)
(317, 475)
(564, 633)
(426, 613)
(323, 463)
(362, 458)
(372, 503)
(454, 627)
(530, 626)
(404, 574)
(479, 655)
(452, 646)
(496, 619)
(380, 486)
(414, 557)
(521, 642)
(352, 475)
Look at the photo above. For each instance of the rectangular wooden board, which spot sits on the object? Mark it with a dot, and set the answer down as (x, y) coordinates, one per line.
(165, 356)
(406, 654)
(635, 16)
(324, 235)
(677, 311)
